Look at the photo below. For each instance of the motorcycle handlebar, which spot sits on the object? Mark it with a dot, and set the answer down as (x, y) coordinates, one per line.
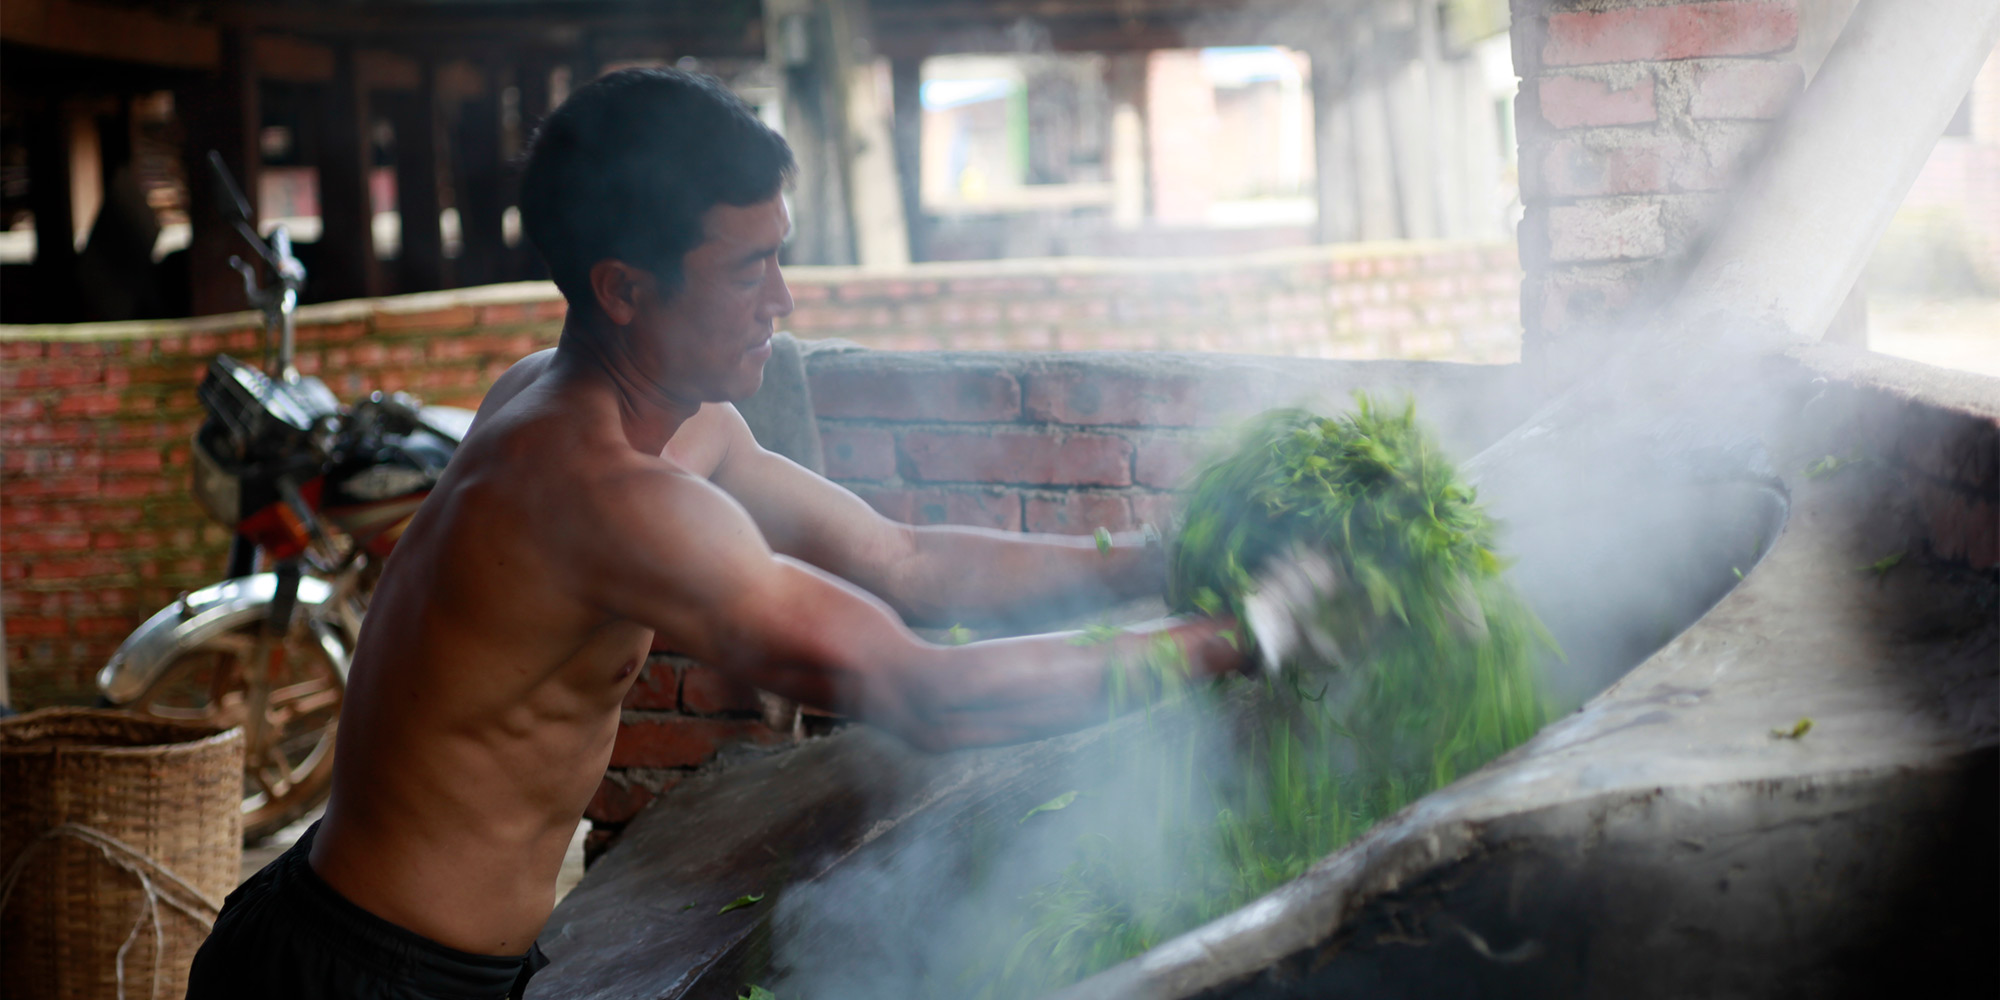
(277, 251)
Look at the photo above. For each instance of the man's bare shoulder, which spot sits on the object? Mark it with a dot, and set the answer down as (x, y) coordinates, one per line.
(518, 376)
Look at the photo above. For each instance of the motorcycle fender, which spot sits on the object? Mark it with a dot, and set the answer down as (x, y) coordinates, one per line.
(151, 647)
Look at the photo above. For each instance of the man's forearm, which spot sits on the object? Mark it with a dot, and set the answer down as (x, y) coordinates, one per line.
(977, 575)
(1010, 690)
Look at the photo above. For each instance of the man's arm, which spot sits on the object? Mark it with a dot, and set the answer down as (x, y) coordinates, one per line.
(675, 553)
(935, 575)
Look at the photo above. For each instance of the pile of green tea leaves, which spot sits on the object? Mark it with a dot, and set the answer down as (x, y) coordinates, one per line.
(1443, 675)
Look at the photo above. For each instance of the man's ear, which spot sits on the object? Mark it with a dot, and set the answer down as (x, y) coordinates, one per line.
(616, 285)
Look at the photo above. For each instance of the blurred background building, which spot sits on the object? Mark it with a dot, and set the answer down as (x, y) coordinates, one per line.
(386, 134)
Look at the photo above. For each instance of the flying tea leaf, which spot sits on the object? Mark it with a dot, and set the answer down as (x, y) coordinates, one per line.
(1096, 635)
(1059, 802)
(1103, 541)
(756, 993)
(740, 902)
(1829, 465)
(1799, 728)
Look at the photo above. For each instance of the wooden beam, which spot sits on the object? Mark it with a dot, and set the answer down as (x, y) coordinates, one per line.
(122, 33)
(292, 60)
(382, 70)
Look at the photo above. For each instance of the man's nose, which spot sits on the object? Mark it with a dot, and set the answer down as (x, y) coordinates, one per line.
(779, 303)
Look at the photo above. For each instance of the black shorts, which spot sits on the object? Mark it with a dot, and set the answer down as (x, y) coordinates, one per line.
(287, 934)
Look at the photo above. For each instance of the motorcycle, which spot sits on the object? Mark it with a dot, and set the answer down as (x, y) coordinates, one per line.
(318, 494)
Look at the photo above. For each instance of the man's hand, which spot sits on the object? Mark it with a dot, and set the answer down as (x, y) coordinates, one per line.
(1284, 610)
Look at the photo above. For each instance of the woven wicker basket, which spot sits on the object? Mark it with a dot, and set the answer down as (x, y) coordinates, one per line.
(118, 833)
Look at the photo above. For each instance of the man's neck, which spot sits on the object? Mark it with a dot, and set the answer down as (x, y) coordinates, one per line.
(648, 414)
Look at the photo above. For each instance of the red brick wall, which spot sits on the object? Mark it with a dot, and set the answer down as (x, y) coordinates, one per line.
(1441, 301)
(1634, 116)
(97, 529)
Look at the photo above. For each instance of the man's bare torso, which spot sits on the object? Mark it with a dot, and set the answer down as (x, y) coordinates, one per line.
(484, 698)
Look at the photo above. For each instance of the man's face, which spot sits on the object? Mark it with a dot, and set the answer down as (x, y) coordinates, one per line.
(709, 341)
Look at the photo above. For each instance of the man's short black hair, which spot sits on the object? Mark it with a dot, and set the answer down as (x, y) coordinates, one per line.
(625, 169)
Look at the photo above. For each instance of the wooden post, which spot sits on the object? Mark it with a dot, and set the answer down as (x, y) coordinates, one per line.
(533, 79)
(812, 68)
(1125, 81)
(420, 267)
(221, 114)
(49, 196)
(346, 262)
(1333, 145)
(479, 183)
(906, 84)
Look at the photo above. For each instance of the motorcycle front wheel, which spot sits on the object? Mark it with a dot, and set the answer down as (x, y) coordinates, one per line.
(288, 769)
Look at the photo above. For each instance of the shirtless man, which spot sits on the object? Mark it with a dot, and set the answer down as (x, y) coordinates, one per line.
(609, 493)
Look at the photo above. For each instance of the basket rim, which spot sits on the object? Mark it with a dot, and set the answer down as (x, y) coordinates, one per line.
(201, 736)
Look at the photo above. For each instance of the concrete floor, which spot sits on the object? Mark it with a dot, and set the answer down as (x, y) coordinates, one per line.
(255, 858)
(1962, 334)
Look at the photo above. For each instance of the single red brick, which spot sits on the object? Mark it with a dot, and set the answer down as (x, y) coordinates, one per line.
(1038, 458)
(103, 626)
(36, 628)
(136, 486)
(658, 685)
(114, 541)
(21, 408)
(858, 452)
(708, 691)
(808, 290)
(57, 540)
(980, 508)
(89, 404)
(341, 333)
(1008, 287)
(75, 568)
(1673, 31)
(21, 350)
(1573, 302)
(1574, 101)
(648, 739)
(447, 318)
(1746, 88)
(1079, 513)
(53, 486)
(509, 314)
(136, 460)
(1098, 398)
(1606, 230)
(1157, 509)
(623, 793)
(958, 395)
(1572, 169)
(1163, 461)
